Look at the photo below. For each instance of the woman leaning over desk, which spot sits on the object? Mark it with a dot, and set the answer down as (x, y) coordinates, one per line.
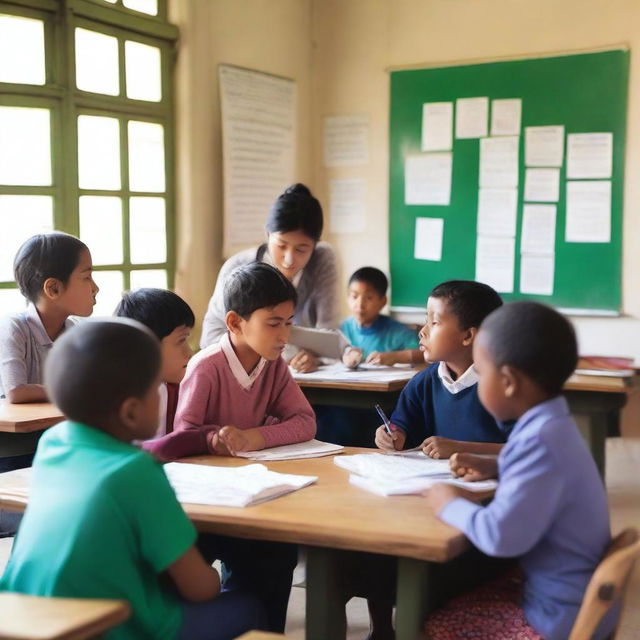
(293, 246)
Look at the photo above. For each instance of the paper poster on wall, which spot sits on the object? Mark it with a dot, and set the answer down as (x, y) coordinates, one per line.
(589, 155)
(497, 209)
(495, 262)
(347, 205)
(437, 126)
(544, 146)
(537, 274)
(472, 115)
(538, 229)
(505, 117)
(258, 149)
(427, 178)
(499, 162)
(542, 185)
(346, 140)
(428, 242)
(588, 211)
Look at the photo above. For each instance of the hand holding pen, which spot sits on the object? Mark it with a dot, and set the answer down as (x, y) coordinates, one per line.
(387, 437)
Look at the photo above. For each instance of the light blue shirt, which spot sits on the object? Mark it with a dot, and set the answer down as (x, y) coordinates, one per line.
(385, 334)
(550, 510)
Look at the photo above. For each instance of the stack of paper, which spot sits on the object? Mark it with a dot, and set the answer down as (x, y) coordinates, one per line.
(231, 486)
(309, 449)
(401, 475)
(364, 373)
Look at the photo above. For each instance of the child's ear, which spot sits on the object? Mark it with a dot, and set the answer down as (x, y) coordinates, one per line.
(469, 336)
(129, 412)
(510, 380)
(233, 322)
(52, 288)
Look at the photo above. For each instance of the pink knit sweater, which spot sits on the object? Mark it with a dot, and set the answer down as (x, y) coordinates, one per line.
(212, 396)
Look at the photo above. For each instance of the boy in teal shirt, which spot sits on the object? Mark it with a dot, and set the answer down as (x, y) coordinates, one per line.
(103, 521)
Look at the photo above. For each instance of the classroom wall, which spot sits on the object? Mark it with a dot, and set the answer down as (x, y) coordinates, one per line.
(267, 35)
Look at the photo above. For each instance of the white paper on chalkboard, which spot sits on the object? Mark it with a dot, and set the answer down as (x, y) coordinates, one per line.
(427, 178)
(437, 126)
(505, 117)
(588, 211)
(544, 146)
(428, 242)
(589, 155)
(497, 209)
(495, 262)
(472, 115)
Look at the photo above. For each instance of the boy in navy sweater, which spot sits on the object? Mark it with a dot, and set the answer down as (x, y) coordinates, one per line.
(439, 408)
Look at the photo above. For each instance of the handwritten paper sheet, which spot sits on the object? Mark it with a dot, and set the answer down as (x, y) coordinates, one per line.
(505, 117)
(589, 155)
(536, 274)
(544, 146)
(495, 262)
(497, 209)
(588, 211)
(542, 185)
(437, 126)
(427, 178)
(346, 140)
(258, 149)
(428, 242)
(538, 229)
(347, 205)
(499, 162)
(472, 115)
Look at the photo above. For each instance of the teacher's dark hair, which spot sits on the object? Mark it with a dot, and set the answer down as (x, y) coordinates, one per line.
(296, 210)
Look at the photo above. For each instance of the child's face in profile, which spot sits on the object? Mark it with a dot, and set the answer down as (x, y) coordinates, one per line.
(145, 420)
(175, 352)
(491, 383)
(365, 303)
(78, 296)
(267, 330)
(441, 338)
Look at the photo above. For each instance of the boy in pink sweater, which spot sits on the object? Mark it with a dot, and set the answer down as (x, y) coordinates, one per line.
(238, 395)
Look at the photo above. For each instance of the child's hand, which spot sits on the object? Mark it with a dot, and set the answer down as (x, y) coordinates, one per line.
(352, 357)
(440, 495)
(439, 447)
(216, 446)
(386, 442)
(472, 467)
(237, 440)
(387, 359)
(304, 361)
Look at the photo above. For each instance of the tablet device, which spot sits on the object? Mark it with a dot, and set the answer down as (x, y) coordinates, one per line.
(326, 343)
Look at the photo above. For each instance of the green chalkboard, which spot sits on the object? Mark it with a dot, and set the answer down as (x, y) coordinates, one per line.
(584, 93)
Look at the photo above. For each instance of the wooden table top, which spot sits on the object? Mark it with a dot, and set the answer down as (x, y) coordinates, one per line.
(24, 418)
(392, 385)
(330, 513)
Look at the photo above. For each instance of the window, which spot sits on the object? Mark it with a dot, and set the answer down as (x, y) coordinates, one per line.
(86, 137)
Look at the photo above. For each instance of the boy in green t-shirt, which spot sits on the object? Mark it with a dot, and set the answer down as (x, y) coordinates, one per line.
(103, 521)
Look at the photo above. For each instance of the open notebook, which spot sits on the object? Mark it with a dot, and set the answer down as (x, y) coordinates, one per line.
(412, 473)
(231, 486)
(298, 451)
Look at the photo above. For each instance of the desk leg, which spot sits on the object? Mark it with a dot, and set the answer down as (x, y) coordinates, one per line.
(325, 607)
(414, 599)
(595, 434)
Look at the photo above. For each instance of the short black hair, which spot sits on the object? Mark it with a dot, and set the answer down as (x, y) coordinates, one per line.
(535, 339)
(373, 277)
(256, 285)
(471, 302)
(159, 309)
(296, 210)
(43, 256)
(95, 366)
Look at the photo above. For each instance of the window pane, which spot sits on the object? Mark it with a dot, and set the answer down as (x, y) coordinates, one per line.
(20, 218)
(149, 278)
(144, 6)
(98, 153)
(146, 156)
(11, 301)
(148, 230)
(111, 285)
(97, 62)
(142, 71)
(25, 146)
(21, 50)
(101, 228)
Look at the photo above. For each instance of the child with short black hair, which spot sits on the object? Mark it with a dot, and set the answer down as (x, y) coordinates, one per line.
(171, 320)
(377, 338)
(550, 509)
(103, 521)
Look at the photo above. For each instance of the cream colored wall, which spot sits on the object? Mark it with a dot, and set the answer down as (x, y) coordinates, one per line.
(356, 40)
(267, 35)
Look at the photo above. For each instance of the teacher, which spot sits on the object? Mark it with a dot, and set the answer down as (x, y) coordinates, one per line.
(293, 246)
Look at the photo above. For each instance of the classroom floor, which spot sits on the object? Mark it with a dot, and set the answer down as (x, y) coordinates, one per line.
(623, 488)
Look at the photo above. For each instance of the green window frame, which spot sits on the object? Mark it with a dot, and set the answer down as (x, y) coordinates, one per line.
(65, 102)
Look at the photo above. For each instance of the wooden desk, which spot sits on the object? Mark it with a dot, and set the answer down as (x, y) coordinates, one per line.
(28, 417)
(329, 515)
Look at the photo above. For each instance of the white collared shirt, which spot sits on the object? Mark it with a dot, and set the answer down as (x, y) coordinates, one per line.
(245, 380)
(466, 380)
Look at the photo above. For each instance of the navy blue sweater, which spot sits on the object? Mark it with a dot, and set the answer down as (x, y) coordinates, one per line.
(425, 408)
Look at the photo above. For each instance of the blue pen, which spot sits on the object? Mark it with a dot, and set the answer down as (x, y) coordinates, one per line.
(385, 420)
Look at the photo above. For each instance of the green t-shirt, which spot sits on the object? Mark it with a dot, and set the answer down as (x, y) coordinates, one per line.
(102, 522)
